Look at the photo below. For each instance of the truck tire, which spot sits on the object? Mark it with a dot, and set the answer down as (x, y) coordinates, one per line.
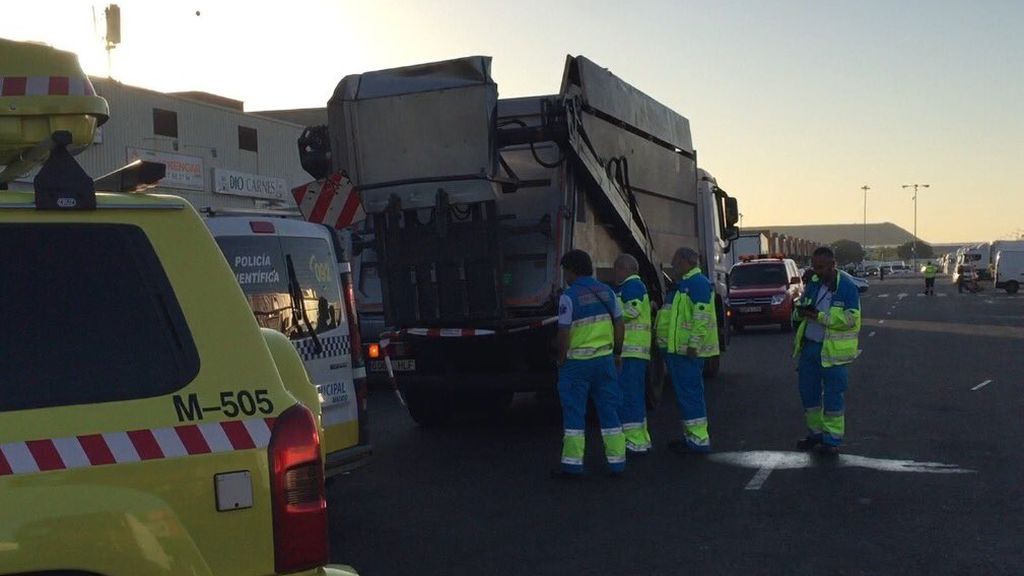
(711, 366)
(429, 408)
(1012, 286)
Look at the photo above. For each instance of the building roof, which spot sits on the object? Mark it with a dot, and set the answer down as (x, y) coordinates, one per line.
(301, 116)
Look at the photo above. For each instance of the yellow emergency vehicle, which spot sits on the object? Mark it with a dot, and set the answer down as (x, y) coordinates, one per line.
(147, 424)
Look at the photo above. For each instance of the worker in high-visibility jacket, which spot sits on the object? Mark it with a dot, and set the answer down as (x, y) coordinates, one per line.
(687, 329)
(930, 270)
(590, 335)
(826, 343)
(636, 353)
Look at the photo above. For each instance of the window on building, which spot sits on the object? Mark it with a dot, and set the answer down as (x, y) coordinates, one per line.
(165, 123)
(247, 139)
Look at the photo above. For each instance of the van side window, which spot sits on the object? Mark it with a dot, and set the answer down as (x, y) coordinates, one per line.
(90, 317)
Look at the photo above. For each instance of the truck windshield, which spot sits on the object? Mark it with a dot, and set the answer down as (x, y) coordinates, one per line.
(260, 265)
(758, 275)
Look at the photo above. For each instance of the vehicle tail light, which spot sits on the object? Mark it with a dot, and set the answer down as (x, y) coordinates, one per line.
(297, 492)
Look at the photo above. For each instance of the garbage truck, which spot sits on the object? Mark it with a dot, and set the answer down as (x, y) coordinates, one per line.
(469, 201)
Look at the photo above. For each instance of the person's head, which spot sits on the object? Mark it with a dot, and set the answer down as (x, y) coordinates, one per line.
(684, 260)
(625, 266)
(576, 263)
(823, 262)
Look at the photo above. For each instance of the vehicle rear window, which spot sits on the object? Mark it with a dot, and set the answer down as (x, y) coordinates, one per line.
(89, 316)
(758, 275)
(260, 265)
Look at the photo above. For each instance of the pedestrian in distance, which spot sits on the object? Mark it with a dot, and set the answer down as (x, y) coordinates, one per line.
(636, 353)
(590, 335)
(826, 344)
(930, 270)
(687, 330)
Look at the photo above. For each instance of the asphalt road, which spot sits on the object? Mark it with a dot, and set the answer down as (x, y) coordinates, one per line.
(937, 384)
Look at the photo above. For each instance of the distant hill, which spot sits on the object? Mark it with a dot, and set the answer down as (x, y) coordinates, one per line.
(884, 234)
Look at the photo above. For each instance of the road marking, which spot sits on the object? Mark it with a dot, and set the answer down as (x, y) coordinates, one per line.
(982, 385)
(902, 295)
(941, 294)
(888, 313)
(767, 461)
(759, 478)
(920, 295)
(872, 334)
(988, 302)
(883, 295)
(881, 321)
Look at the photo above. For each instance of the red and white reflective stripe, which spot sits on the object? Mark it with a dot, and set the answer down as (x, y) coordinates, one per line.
(332, 201)
(46, 86)
(385, 341)
(88, 450)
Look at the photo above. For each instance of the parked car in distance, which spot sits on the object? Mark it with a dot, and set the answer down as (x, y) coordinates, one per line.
(762, 292)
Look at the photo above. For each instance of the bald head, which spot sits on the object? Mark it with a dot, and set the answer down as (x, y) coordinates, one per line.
(625, 266)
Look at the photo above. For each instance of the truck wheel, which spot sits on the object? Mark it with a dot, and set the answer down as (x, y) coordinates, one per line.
(711, 366)
(1012, 286)
(429, 408)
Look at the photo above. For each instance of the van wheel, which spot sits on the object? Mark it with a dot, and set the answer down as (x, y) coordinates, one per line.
(711, 366)
(1012, 286)
(429, 407)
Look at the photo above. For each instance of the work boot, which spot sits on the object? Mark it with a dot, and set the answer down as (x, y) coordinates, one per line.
(808, 443)
(827, 450)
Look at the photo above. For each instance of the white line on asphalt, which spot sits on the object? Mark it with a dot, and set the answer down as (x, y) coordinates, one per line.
(920, 295)
(881, 321)
(872, 334)
(888, 313)
(988, 301)
(982, 385)
(902, 295)
(941, 294)
(758, 480)
(883, 295)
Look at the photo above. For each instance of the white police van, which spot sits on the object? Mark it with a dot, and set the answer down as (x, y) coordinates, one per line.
(297, 281)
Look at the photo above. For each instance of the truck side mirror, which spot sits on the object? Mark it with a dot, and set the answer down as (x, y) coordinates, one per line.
(732, 217)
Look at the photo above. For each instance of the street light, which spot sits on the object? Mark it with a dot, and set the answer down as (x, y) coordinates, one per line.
(865, 188)
(913, 250)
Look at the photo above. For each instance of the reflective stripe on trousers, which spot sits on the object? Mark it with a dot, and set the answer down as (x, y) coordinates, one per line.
(822, 395)
(688, 382)
(595, 379)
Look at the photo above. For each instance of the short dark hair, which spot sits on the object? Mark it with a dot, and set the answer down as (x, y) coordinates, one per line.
(824, 251)
(578, 262)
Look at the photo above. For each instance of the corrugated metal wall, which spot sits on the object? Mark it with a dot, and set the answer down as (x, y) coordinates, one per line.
(202, 128)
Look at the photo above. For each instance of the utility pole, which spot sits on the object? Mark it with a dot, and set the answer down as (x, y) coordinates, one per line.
(913, 250)
(865, 188)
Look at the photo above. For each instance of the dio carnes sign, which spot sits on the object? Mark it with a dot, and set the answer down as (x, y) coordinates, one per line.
(251, 185)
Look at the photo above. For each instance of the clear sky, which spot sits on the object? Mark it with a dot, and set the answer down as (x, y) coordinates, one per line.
(794, 105)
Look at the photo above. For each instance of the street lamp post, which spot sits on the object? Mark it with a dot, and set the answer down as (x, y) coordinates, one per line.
(913, 250)
(865, 188)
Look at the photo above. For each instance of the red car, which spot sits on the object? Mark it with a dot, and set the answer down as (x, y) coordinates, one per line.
(762, 292)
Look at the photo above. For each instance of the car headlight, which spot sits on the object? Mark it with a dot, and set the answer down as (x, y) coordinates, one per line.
(778, 299)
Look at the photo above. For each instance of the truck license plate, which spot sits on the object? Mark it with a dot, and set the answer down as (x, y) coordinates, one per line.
(398, 365)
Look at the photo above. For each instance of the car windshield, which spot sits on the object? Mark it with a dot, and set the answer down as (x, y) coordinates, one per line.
(758, 275)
